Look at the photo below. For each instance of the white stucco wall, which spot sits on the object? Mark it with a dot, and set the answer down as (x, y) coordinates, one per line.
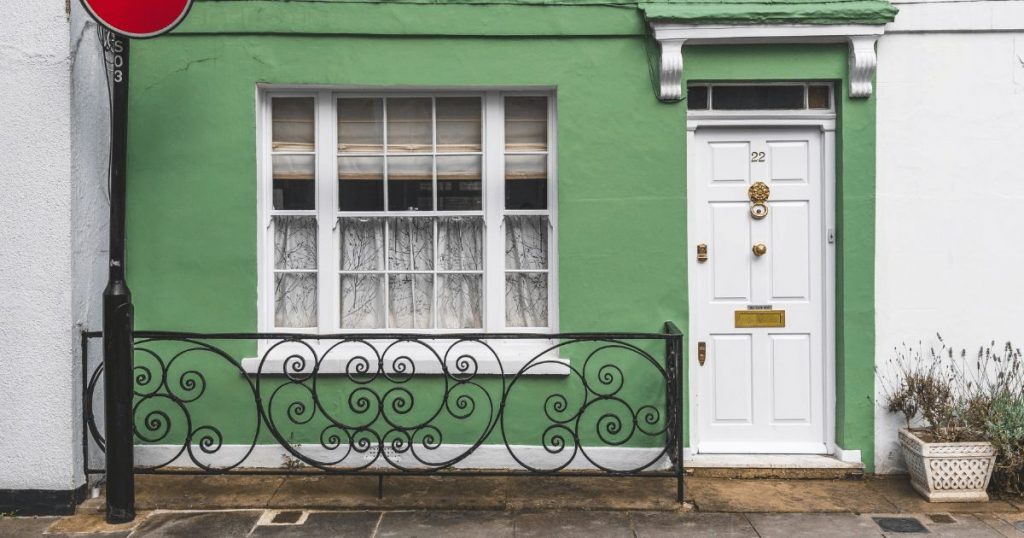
(90, 144)
(37, 409)
(53, 231)
(950, 257)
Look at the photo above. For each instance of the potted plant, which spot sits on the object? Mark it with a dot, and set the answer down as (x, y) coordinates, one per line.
(954, 410)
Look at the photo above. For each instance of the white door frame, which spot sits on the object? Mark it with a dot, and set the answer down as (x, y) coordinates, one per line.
(753, 119)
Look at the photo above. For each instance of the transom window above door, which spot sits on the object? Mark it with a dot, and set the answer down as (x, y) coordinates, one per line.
(735, 96)
(407, 212)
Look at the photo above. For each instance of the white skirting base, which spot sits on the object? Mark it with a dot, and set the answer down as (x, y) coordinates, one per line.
(484, 457)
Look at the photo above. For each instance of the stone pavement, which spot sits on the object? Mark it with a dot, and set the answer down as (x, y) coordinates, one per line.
(498, 524)
(230, 506)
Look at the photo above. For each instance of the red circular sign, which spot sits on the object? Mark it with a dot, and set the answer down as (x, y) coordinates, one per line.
(137, 18)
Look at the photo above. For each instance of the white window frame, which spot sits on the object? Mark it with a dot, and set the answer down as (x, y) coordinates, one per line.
(327, 213)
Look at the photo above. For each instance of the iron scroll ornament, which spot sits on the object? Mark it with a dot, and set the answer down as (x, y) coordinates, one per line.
(378, 415)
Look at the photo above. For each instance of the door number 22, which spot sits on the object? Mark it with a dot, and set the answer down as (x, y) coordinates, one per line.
(757, 156)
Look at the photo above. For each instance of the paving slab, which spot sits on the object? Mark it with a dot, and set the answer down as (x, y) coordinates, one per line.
(696, 524)
(94, 524)
(898, 491)
(578, 524)
(402, 492)
(188, 492)
(325, 492)
(226, 524)
(11, 527)
(465, 524)
(326, 524)
(120, 534)
(719, 495)
(1008, 525)
(834, 525)
(963, 525)
(591, 493)
(445, 492)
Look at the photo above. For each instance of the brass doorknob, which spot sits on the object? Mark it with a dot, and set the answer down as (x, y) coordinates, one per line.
(759, 249)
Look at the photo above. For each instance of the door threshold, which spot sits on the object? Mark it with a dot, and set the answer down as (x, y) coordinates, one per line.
(787, 466)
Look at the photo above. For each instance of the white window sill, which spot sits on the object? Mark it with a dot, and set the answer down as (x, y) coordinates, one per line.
(347, 359)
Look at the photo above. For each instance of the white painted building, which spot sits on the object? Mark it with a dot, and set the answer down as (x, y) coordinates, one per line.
(53, 112)
(950, 183)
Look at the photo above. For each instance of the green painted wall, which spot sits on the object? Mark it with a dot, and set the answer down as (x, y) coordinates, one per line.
(621, 161)
(192, 218)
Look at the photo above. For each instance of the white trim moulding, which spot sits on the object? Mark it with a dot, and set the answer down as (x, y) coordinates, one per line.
(849, 456)
(672, 37)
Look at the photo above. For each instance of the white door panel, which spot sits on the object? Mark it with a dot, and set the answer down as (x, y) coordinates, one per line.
(761, 390)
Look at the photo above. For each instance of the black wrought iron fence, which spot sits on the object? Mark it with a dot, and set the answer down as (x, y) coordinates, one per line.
(582, 404)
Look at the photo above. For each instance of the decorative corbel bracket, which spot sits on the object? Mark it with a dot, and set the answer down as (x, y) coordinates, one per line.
(861, 39)
(671, 70)
(863, 62)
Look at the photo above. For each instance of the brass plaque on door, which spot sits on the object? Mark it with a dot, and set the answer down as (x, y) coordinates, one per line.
(760, 319)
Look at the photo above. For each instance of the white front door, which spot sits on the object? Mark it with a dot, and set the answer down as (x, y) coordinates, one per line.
(761, 388)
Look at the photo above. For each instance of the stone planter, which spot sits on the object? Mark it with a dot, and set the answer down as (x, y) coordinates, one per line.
(948, 472)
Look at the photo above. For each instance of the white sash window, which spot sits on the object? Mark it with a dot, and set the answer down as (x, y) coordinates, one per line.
(430, 212)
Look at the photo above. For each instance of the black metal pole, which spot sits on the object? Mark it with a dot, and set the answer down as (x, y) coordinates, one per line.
(677, 343)
(117, 309)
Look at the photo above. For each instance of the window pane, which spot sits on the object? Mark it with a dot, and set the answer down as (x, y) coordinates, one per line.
(458, 183)
(410, 125)
(459, 301)
(526, 242)
(697, 97)
(526, 124)
(818, 97)
(362, 301)
(294, 242)
(293, 124)
(526, 185)
(460, 243)
(294, 182)
(458, 124)
(526, 299)
(360, 125)
(410, 244)
(410, 301)
(362, 244)
(410, 183)
(757, 97)
(295, 300)
(361, 183)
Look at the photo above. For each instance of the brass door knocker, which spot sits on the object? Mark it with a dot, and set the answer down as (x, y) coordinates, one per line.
(758, 194)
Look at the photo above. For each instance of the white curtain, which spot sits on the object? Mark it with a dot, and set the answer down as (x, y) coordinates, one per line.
(295, 290)
(408, 270)
(460, 295)
(362, 295)
(526, 276)
(410, 295)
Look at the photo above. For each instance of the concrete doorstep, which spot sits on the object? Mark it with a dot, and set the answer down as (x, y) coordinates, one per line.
(199, 506)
